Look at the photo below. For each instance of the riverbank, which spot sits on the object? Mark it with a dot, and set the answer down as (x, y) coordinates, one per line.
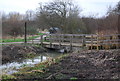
(84, 65)
(12, 53)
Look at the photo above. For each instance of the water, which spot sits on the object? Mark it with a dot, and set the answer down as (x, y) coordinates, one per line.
(11, 68)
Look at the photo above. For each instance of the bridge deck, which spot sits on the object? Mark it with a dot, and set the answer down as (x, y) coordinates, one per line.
(64, 44)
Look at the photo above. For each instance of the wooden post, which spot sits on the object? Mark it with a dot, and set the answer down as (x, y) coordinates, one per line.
(117, 43)
(62, 38)
(91, 42)
(108, 43)
(25, 32)
(50, 40)
(41, 40)
(71, 41)
(32, 39)
(83, 41)
(97, 43)
(14, 35)
(60, 41)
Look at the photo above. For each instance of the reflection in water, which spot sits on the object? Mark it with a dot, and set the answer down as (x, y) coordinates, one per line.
(10, 68)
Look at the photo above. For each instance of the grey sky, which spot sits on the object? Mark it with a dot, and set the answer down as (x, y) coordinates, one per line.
(88, 6)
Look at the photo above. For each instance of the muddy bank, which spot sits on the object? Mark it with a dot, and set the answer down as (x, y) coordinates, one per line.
(12, 53)
(88, 65)
(84, 65)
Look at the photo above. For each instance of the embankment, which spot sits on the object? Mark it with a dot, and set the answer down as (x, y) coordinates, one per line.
(83, 65)
(12, 53)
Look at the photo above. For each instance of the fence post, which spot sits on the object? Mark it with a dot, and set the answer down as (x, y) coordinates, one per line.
(71, 41)
(32, 39)
(60, 41)
(41, 40)
(62, 38)
(25, 32)
(91, 42)
(50, 40)
(84, 41)
(97, 43)
(118, 40)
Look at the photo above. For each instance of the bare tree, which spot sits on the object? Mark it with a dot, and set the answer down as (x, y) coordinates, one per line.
(12, 24)
(57, 14)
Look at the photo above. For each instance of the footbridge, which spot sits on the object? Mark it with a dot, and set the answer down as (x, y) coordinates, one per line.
(90, 41)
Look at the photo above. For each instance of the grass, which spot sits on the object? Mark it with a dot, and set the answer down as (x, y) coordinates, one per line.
(11, 40)
(73, 78)
(18, 39)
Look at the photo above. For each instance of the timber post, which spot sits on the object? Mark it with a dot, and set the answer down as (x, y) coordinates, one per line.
(25, 33)
(83, 41)
(71, 41)
(91, 42)
(118, 39)
(60, 41)
(41, 37)
(97, 42)
(50, 40)
(32, 39)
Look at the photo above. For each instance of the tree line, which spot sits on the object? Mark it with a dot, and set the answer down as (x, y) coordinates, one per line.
(62, 14)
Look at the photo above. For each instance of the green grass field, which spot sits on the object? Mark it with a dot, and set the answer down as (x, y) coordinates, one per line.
(19, 40)
(11, 40)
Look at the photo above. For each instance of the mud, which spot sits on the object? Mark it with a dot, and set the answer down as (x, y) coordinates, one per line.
(12, 53)
(83, 65)
(87, 65)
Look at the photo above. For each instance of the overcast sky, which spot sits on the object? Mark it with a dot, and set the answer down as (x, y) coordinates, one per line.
(88, 6)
